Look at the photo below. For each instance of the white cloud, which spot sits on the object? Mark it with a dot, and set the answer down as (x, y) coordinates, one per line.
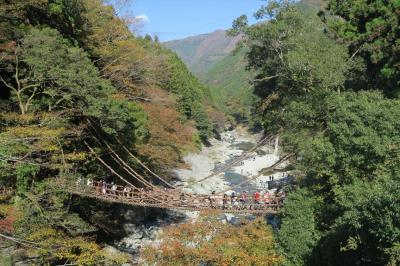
(143, 18)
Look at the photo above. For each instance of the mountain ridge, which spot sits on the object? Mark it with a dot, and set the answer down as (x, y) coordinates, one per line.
(201, 52)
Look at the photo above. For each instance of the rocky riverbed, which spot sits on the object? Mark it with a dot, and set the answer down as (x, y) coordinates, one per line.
(232, 144)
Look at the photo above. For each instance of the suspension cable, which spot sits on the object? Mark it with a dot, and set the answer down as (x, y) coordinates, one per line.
(279, 162)
(124, 165)
(144, 166)
(106, 165)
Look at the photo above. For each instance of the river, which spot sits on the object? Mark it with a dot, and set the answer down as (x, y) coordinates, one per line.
(199, 165)
(231, 145)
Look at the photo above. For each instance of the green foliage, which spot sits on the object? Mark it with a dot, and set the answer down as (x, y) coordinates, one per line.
(191, 96)
(362, 124)
(230, 86)
(367, 229)
(229, 74)
(6, 260)
(292, 58)
(121, 117)
(298, 233)
(73, 78)
(25, 174)
(47, 206)
(371, 30)
(394, 254)
(346, 140)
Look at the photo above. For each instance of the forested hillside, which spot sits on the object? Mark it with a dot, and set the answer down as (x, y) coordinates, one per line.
(84, 100)
(211, 57)
(328, 85)
(74, 79)
(219, 61)
(200, 53)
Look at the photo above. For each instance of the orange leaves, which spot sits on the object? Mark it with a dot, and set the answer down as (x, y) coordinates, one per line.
(208, 241)
(123, 59)
(168, 135)
(7, 219)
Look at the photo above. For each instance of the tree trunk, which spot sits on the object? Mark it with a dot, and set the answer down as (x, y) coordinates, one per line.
(21, 105)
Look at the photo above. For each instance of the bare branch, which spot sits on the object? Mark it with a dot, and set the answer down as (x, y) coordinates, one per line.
(17, 71)
(356, 52)
(29, 86)
(267, 78)
(30, 98)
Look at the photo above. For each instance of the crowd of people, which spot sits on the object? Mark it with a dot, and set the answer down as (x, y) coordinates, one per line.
(233, 200)
(104, 188)
(245, 200)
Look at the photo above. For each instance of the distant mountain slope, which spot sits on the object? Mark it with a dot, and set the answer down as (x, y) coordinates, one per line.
(229, 73)
(210, 57)
(201, 52)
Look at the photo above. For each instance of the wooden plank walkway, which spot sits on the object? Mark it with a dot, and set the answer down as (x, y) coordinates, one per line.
(173, 199)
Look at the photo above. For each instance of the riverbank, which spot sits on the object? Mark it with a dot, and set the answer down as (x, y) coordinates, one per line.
(232, 144)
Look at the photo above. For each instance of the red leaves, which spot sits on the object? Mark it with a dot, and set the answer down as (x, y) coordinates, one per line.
(7, 219)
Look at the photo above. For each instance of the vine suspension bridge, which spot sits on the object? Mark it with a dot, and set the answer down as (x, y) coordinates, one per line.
(170, 196)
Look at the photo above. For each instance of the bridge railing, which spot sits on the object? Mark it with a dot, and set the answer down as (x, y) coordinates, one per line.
(169, 198)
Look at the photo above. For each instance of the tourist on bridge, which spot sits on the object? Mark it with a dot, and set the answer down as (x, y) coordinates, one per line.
(243, 199)
(182, 197)
(113, 188)
(98, 187)
(79, 182)
(280, 195)
(104, 187)
(225, 201)
(234, 201)
(267, 198)
(257, 197)
(212, 199)
(233, 197)
(126, 191)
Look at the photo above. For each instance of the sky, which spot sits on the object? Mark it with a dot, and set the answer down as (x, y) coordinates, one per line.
(177, 19)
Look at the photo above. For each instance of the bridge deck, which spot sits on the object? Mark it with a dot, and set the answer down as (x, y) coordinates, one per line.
(173, 199)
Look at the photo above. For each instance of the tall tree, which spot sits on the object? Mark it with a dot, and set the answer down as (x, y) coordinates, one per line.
(371, 29)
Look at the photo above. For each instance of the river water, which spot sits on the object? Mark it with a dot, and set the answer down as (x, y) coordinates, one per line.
(231, 145)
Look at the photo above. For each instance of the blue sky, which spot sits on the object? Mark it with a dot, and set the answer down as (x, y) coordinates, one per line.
(177, 19)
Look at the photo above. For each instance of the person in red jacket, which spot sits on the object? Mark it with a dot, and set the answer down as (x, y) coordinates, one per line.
(257, 196)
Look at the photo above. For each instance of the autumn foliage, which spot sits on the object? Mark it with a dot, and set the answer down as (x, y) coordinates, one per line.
(210, 242)
(7, 219)
(73, 77)
(169, 136)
